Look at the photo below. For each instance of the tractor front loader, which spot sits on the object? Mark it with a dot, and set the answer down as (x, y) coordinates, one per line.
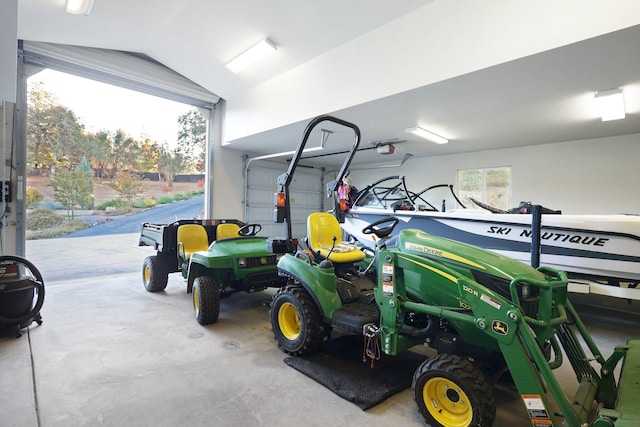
(484, 314)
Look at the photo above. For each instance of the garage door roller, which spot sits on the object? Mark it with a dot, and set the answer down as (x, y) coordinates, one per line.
(21, 295)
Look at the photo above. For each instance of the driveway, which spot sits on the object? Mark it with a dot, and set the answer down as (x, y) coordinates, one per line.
(160, 214)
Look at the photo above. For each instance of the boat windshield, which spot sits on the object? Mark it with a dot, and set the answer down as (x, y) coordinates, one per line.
(392, 193)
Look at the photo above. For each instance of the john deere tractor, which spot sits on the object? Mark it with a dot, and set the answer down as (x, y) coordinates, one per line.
(483, 313)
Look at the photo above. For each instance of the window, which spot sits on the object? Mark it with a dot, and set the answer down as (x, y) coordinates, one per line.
(490, 185)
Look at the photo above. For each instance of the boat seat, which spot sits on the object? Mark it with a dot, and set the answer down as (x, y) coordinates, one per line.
(191, 238)
(227, 231)
(322, 227)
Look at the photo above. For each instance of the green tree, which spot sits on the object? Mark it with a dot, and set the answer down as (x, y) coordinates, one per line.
(72, 190)
(54, 133)
(98, 152)
(128, 186)
(192, 138)
(149, 156)
(84, 183)
(124, 152)
(170, 164)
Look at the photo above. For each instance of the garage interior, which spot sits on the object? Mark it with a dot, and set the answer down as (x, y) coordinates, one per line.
(508, 83)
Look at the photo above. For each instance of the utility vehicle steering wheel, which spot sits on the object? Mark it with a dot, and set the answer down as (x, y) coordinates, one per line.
(249, 229)
(381, 232)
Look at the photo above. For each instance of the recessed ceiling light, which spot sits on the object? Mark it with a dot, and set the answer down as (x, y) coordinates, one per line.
(610, 104)
(422, 133)
(251, 56)
(79, 7)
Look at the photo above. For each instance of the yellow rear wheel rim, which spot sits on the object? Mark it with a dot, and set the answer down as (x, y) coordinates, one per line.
(447, 403)
(196, 301)
(147, 274)
(289, 321)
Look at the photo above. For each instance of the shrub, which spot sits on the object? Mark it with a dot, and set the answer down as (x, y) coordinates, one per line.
(49, 204)
(128, 186)
(33, 196)
(60, 230)
(113, 203)
(147, 202)
(163, 200)
(40, 219)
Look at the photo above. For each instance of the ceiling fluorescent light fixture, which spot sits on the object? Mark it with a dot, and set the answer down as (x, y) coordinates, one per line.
(610, 104)
(251, 56)
(79, 7)
(422, 133)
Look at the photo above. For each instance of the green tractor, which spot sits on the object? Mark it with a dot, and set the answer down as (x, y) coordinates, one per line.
(217, 258)
(484, 314)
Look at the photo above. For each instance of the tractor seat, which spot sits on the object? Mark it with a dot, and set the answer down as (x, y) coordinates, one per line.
(227, 231)
(322, 227)
(191, 238)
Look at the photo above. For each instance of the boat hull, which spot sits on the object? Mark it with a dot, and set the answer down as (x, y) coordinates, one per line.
(594, 247)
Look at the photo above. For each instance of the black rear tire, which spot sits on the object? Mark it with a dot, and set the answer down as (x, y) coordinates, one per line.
(206, 300)
(451, 391)
(296, 322)
(154, 274)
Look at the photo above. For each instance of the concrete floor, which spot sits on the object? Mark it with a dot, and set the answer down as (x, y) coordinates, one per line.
(109, 353)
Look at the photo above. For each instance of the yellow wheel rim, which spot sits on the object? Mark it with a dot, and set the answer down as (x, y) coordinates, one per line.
(289, 321)
(196, 301)
(147, 274)
(447, 403)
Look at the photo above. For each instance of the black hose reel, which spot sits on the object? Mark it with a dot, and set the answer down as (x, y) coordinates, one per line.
(21, 295)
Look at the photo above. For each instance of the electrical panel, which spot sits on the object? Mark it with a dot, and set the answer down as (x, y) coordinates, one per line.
(5, 191)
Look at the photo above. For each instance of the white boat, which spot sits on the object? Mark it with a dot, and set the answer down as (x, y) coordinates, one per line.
(601, 252)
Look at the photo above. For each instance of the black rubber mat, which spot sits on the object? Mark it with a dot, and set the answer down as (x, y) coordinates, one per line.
(339, 367)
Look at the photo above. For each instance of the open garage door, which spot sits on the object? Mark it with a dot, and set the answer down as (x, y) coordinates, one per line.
(133, 71)
(306, 198)
(125, 69)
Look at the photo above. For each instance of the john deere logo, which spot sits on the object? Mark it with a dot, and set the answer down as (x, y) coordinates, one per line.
(499, 327)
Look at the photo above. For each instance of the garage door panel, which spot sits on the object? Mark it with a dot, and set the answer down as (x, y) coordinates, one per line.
(305, 195)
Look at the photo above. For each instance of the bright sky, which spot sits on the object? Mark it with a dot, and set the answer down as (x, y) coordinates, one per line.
(102, 106)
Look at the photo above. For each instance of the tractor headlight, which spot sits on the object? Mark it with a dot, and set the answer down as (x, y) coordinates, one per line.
(242, 262)
(263, 260)
(525, 291)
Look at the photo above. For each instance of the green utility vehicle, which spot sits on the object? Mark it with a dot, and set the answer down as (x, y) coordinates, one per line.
(483, 313)
(216, 257)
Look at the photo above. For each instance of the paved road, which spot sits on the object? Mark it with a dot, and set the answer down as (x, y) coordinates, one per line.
(161, 214)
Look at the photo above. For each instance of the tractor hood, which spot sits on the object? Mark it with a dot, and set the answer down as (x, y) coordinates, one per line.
(463, 257)
(240, 247)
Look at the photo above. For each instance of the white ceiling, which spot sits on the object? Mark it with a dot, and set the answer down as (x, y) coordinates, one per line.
(539, 99)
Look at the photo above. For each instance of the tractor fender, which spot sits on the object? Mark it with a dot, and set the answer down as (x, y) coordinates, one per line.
(320, 283)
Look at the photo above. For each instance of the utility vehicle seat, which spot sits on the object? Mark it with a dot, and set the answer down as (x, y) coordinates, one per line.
(191, 238)
(322, 227)
(227, 231)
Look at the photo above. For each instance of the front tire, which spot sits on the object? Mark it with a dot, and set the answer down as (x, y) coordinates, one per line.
(452, 392)
(296, 322)
(154, 275)
(206, 300)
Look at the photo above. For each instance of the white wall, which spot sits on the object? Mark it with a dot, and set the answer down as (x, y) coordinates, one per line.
(8, 46)
(594, 176)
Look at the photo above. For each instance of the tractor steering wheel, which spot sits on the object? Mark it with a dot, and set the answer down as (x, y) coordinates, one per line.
(381, 232)
(249, 229)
